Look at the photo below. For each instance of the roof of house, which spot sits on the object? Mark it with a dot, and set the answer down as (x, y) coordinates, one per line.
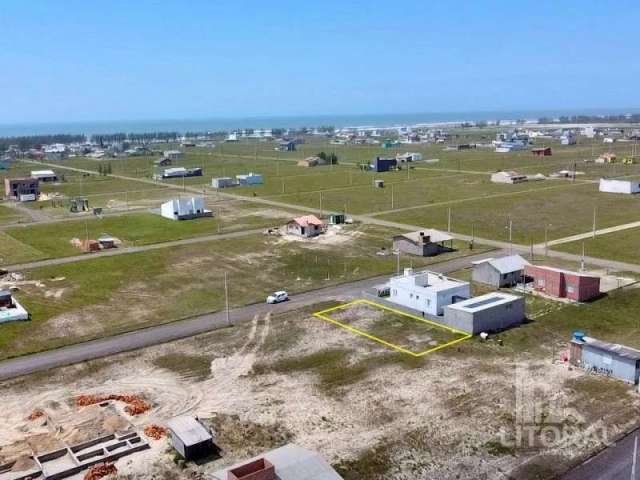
(620, 350)
(307, 220)
(436, 236)
(508, 264)
(509, 173)
(189, 430)
(483, 302)
(35, 173)
(291, 463)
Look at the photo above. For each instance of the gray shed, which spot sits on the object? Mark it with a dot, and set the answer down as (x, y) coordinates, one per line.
(190, 438)
(424, 243)
(499, 272)
(618, 361)
(487, 313)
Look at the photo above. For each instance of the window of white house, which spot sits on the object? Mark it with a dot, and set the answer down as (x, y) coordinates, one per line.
(541, 282)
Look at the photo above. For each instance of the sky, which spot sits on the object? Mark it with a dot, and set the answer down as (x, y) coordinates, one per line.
(73, 60)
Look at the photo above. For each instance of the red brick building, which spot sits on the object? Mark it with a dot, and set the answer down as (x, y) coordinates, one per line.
(563, 283)
(542, 152)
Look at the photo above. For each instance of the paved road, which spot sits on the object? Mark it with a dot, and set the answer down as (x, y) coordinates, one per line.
(613, 463)
(126, 250)
(185, 328)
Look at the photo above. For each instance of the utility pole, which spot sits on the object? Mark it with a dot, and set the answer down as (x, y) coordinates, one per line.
(582, 259)
(510, 235)
(449, 220)
(398, 262)
(320, 204)
(594, 221)
(226, 298)
(634, 459)
(283, 185)
(546, 241)
(392, 196)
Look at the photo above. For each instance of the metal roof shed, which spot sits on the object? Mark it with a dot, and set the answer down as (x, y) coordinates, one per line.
(189, 437)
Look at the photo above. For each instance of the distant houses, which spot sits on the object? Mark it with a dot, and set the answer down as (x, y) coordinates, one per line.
(423, 243)
(223, 182)
(568, 138)
(286, 146)
(611, 185)
(312, 162)
(173, 155)
(185, 209)
(249, 179)
(508, 176)
(607, 157)
(409, 157)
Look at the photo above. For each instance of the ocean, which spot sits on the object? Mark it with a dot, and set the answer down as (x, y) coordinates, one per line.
(218, 124)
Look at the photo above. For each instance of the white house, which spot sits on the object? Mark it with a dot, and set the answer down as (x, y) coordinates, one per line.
(173, 155)
(426, 292)
(185, 209)
(508, 177)
(306, 226)
(568, 138)
(409, 157)
(10, 309)
(611, 185)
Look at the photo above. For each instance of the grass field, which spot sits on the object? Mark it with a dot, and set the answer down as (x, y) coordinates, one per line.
(623, 246)
(52, 240)
(564, 211)
(108, 295)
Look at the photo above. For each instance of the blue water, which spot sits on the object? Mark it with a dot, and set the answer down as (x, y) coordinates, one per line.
(217, 124)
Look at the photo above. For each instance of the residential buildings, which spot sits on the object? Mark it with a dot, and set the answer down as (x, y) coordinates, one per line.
(612, 185)
(22, 189)
(185, 209)
(500, 272)
(492, 312)
(559, 283)
(618, 361)
(306, 226)
(508, 177)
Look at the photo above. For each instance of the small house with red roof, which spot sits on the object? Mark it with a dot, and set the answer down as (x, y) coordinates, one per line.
(306, 226)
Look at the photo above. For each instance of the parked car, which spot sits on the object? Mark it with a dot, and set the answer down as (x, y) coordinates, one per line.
(278, 297)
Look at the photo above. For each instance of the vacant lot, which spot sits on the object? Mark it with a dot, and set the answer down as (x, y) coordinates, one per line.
(407, 334)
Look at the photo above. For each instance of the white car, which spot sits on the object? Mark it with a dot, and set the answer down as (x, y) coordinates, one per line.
(278, 297)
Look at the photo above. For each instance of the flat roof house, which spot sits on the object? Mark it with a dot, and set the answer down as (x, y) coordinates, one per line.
(185, 209)
(180, 172)
(409, 157)
(44, 175)
(289, 462)
(607, 358)
(22, 189)
(559, 283)
(499, 272)
(173, 155)
(508, 177)
(492, 312)
(312, 162)
(424, 243)
(306, 226)
(190, 438)
(611, 185)
(10, 309)
(426, 292)
(286, 146)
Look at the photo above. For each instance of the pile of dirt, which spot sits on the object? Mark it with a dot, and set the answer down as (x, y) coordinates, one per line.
(37, 413)
(236, 431)
(135, 404)
(98, 471)
(155, 431)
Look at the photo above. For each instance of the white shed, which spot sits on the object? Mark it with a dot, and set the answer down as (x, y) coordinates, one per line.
(185, 209)
(611, 185)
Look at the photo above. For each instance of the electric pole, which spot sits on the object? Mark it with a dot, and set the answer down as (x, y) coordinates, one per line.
(226, 299)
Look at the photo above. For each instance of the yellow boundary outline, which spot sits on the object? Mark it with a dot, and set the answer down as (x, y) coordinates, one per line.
(323, 316)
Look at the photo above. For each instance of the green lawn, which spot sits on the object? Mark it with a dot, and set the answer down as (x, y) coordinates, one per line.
(107, 295)
(565, 211)
(623, 246)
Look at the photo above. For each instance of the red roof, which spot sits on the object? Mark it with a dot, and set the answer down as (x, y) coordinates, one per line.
(307, 220)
